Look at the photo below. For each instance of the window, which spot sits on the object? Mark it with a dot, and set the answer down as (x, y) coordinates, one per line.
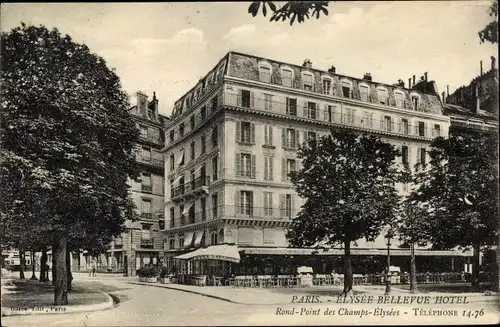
(215, 168)
(214, 205)
(311, 135)
(214, 103)
(290, 138)
(192, 151)
(265, 73)
(291, 166)
(286, 77)
(213, 238)
(286, 205)
(181, 129)
(203, 113)
(349, 116)
(246, 203)
(192, 121)
(422, 158)
(436, 132)
(268, 104)
(382, 95)
(172, 218)
(245, 165)
(214, 136)
(346, 89)
(172, 162)
(331, 111)
(268, 204)
(415, 99)
(192, 174)
(364, 92)
(181, 185)
(203, 144)
(291, 106)
(146, 232)
(268, 168)
(268, 135)
(307, 81)
(421, 128)
(171, 188)
(400, 99)
(245, 98)
(172, 134)
(245, 132)
(404, 153)
(144, 131)
(181, 242)
(146, 210)
(181, 158)
(171, 243)
(191, 214)
(146, 183)
(387, 124)
(404, 126)
(311, 110)
(327, 86)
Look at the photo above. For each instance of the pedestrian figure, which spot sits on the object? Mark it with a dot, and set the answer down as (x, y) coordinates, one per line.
(93, 271)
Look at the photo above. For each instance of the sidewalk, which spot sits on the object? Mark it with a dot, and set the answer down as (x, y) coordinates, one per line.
(27, 297)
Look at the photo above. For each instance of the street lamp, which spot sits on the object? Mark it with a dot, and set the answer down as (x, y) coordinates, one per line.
(388, 238)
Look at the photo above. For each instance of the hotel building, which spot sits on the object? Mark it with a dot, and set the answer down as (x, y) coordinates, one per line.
(232, 141)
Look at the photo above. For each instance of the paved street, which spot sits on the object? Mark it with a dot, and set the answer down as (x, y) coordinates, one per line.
(154, 306)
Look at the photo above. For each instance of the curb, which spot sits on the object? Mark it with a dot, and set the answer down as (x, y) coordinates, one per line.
(61, 309)
(204, 294)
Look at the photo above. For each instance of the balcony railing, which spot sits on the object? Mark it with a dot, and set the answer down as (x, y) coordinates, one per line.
(231, 211)
(146, 188)
(150, 161)
(156, 139)
(190, 186)
(353, 119)
(147, 241)
(146, 215)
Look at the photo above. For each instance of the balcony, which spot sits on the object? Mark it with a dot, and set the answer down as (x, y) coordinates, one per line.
(154, 139)
(150, 161)
(190, 188)
(147, 242)
(146, 215)
(147, 188)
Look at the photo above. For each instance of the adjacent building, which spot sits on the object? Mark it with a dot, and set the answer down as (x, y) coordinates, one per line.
(232, 141)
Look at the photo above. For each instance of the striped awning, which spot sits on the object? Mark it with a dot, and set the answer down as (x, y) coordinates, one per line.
(188, 239)
(198, 237)
(223, 252)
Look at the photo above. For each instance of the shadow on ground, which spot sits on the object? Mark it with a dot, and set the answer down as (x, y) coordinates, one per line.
(312, 291)
(450, 288)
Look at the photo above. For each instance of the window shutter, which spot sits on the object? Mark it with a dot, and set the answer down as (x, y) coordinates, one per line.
(282, 205)
(270, 203)
(425, 129)
(283, 138)
(305, 110)
(297, 138)
(299, 164)
(382, 122)
(266, 165)
(283, 169)
(266, 135)
(270, 136)
(287, 105)
(237, 203)
(252, 133)
(252, 99)
(409, 155)
(270, 162)
(253, 165)
(400, 125)
(292, 205)
(304, 136)
(416, 127)
(238, 131)
(419, 150)
(237, 165)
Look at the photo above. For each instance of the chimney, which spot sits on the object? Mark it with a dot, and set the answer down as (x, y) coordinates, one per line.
(409, 83)
(493, 59)
(447, 90)
(367, 77)
(332, 70)
(444, 97)
(481, 67)
(413, 80)
(307, 63)
(142, 103)
(425, 76)
(478, 100)
(401, 83)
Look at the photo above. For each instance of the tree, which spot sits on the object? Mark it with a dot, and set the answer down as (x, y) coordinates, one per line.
(347, 181)
(490, 32)
(67, 129)
(459, 188)
(291, 10)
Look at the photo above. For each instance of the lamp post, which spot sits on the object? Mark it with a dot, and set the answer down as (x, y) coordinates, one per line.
(388, 238)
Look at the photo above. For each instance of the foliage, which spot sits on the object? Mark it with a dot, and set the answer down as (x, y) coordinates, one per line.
(490, 32)
(147, 272)
(164, 272)
(459, 190)
(291, 10)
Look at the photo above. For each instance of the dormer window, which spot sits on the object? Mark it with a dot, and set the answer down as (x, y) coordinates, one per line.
(286, 77)
(346, 88)
(383, 95)
(265, 72)
(327, 85)
(415, 99)
(364, 92)
(220, 72)
(307, 81)
(399, 97)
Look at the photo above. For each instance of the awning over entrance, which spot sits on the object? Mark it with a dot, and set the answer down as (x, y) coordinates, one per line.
(198, 237)
(186, 209)
(223, 252)
(188, 239)
(310, 251)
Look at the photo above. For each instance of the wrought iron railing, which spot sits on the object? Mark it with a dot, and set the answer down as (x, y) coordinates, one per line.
(151, 161)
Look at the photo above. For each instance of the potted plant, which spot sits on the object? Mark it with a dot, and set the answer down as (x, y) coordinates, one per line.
(164, 276)
(142, 274)
(151, 274)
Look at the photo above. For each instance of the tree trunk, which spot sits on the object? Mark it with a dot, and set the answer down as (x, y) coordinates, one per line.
(68, 269)
(33, 265)
(475, 266)
(22, 262)
(54, 263)
(61, 281)
(413, 270)
(348, 281)
(43, 266)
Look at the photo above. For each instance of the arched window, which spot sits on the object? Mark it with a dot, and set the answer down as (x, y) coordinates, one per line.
(346, 88)
(287, 76)
(364, 92)
(221, 236)
(213, 238)
(181, 242)
(383, 95)
(265, 72)
(399, 97)
(327, 83)
(171, 243)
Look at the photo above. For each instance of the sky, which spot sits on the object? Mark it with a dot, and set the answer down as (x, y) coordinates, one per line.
(167, 47)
